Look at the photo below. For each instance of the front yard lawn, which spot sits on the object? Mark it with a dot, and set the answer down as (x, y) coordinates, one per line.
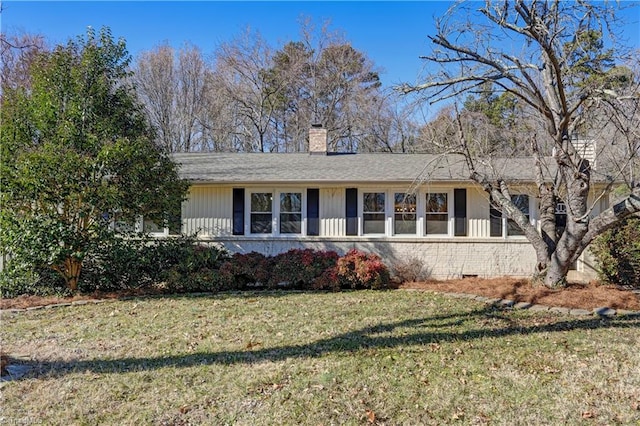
(383, 357)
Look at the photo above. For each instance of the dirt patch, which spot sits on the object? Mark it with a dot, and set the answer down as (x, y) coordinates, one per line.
(578, 296)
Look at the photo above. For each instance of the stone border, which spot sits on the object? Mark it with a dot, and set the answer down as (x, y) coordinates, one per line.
(603, 311)
(57, 305)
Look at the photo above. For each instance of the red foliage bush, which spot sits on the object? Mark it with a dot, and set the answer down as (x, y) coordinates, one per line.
(357, 269)
(305, 269)
(242, 269)
(300, 268)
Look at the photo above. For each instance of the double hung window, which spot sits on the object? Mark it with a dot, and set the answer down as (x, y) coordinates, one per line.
(373, 212)
(290, 212)
(437, 214)
(497, 219)
(522, 202)
(404, 213)
(268, 216)
(261, 220)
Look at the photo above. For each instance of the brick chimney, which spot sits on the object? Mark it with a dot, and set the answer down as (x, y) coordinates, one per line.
(317, 140)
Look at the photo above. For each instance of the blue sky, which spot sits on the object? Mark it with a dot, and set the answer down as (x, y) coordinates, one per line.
(392, 34)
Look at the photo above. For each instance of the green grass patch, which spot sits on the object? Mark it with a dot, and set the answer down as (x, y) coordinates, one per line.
(393, 357)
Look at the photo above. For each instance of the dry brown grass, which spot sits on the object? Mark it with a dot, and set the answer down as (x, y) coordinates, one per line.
(295, 358)
(579, 296)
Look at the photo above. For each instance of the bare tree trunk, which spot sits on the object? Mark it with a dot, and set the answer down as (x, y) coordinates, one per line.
(70, 272)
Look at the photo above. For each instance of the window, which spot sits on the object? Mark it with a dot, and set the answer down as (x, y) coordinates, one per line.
(437, 214)
(151, 227)
(497, 219)
(522, 202)
(171, 224)
(373, 213)
(290, 213)
(261, 212)
(121, 225)
(404, 213)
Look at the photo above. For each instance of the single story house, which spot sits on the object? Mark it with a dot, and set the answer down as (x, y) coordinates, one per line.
(401, 206)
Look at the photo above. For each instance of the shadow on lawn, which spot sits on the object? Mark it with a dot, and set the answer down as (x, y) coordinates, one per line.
(423, 331)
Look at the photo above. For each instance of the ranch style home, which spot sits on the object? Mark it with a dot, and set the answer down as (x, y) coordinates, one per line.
(400, 206)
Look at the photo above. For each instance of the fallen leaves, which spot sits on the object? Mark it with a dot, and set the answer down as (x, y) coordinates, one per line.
(371, 416)
(588, 415)
(250, 345)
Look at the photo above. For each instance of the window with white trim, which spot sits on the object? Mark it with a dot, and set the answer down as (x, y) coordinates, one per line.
(151, 227)
(522, 202)
(501, 225)
(373, 212)
(437, 214)
(261, 216)
(404, 214)
(290, 212)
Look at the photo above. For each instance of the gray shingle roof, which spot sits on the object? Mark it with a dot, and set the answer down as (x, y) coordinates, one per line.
(335, 168)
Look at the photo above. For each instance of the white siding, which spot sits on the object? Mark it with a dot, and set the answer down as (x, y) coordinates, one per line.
(332, 212)
(478, 213)
(208, 210)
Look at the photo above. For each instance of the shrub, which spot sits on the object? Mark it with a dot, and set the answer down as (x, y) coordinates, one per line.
(115, 264)
(196, 270)
(20, 278)
(409, 270)
(179, 264)
(243, 269)
(357, 270)
(300, 268)
(618, 254)
(328, 280)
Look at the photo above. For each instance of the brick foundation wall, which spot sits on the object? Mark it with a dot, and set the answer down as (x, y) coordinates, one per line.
(450, 258)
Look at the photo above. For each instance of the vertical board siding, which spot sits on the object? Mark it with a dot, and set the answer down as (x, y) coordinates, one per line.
(332, 207)
(208, 211)
(477, 213)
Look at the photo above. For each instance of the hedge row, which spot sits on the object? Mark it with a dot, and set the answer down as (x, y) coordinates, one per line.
(181, 265)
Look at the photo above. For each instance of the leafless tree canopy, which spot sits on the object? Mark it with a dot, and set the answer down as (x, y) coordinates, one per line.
(254, 97)
(17, 53)
(566, 73)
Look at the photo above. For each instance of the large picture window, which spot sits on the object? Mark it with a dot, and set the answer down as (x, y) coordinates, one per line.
(373, 212)
(404, 213)
(261, 212)
(437, 214)
(291, 213)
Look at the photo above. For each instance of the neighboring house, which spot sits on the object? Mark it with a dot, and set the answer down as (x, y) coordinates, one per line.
(401, 206)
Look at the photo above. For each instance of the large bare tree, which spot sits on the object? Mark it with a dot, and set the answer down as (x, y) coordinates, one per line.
(575, 85)
(17, 54)
(172, 87)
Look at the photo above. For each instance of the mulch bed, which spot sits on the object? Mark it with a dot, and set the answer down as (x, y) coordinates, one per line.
(577, 296)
